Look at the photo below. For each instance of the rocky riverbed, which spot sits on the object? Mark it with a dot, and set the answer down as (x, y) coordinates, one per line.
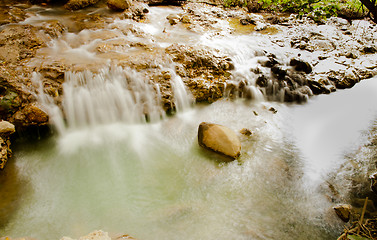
(52, 40)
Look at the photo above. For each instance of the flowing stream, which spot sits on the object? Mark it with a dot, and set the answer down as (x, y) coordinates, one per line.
(109, 167)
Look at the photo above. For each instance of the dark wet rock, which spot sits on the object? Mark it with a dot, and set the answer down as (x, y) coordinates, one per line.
(317, 87)
(279, 72)
(261, 81)
(352, 54)
(300, 95)
(79, 4)
(369, 49)
(219, 139)
(343, 211)
(301, 65)
(273, 110)
(349, 80)
(119, 5)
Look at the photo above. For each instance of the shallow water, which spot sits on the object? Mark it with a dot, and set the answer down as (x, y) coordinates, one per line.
(152, 181)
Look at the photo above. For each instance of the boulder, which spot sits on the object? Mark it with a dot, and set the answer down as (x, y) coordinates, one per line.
(343, 211)
(119, 5)
(31, 114)
(219, 139)
(79, 4)
(6, 128)
(348, 81)
(301, 65)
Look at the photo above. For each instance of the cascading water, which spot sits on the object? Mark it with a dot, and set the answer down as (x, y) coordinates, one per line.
(109, 170)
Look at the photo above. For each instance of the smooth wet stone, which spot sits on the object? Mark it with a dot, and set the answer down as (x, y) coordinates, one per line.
(6, 128)
(219, 139)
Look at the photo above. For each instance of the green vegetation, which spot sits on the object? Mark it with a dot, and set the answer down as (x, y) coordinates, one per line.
(315, 9)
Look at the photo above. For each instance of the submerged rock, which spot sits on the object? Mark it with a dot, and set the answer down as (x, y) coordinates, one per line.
(220, 139)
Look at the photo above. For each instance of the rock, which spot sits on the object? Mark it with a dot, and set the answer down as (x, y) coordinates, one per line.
(119, 5)
(79, 4)
(5, 152)
(301, 65)
(343, 211)
(246, 132)
(30, 115)
(6, 128)
(369, 49)
(348, 81)
(220, 139)
(18, 42)
(173, 19)
(317, 87)
(261, 81)
(273, 110)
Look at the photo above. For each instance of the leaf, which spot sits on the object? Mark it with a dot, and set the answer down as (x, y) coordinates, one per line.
(356, 237)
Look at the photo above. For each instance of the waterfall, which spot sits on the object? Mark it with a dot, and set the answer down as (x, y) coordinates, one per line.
(113, 94)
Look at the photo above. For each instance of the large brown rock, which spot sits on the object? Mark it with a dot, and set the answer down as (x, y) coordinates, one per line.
(119, 5)
(31, 115)
(6, 128)
(220, 139)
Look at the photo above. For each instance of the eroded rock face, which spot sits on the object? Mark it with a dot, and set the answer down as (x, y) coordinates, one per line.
(219, 139)
(6, 129)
